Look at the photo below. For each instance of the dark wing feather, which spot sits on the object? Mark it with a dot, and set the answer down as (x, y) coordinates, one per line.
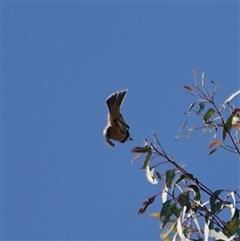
(106, 136)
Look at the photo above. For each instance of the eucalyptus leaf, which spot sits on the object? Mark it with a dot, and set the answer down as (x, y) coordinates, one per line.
(208, 114)
(201, 107)
(228, 126)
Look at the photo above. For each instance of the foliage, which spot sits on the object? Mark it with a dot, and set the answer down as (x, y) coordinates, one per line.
(184, 215)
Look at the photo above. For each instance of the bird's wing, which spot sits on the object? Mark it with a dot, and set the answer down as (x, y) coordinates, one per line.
(106, 135)
(121, 124)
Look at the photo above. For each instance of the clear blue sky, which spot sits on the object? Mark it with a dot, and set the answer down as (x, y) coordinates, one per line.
(60, 61)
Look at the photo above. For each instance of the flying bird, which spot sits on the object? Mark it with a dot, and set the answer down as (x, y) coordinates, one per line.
(116, 128)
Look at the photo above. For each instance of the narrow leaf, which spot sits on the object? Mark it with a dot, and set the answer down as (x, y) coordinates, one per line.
(188, 88)
(167, 229)
(227, 127)
(179, 179)
(139, 150)
(194, 216)
(211, 152)
(196, 192)
(215, 143)
(150, 175)
(190, 107)
(170, 174)
(219, 235)
(214, 197)
(164, 194)
(234, 223)
(179, 229)
(146, 204)
(155, 215)
(195, 76)
(219, 205)
(183, 200)
(163, 212)
(201, 107)
(147, 159)
(231, 97)
(233, 209)
(203, 78)
(167, 211)
(208, 114)
(165, 207)
(136, 157)
(206, 229)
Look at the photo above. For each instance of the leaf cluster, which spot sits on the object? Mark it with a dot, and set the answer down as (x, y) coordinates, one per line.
(189, 209)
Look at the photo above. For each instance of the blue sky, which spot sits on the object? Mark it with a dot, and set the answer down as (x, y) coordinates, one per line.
(60, 61)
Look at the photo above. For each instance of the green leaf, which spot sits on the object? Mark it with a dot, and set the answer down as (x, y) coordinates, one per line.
(179, 179)
(178, 212)
(139, 149)
(147, 159)
(201, 107)
(233, 225)
(211, 224)
(228, 126)
(167, 211)
(183, 200)
(196, 192)
(208, 114)
(238, 232)
(170, 174)
(217, 207)
(165, 207)
(171, 210)
(214, 197)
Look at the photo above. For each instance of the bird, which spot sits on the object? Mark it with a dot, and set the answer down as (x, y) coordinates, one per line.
(116, 128)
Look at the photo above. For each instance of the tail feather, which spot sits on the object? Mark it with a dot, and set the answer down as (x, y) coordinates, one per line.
(110, 101)
(121, 97)
(115, 101)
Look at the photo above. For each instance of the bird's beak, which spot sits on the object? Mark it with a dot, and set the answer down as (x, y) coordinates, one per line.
(131, 139)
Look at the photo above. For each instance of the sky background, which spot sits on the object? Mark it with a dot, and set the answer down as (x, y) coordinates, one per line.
(60, 61)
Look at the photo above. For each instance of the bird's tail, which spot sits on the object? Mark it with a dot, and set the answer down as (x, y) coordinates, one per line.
(115, 101)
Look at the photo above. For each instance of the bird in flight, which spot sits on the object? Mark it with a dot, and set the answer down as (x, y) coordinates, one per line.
(116, 128)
